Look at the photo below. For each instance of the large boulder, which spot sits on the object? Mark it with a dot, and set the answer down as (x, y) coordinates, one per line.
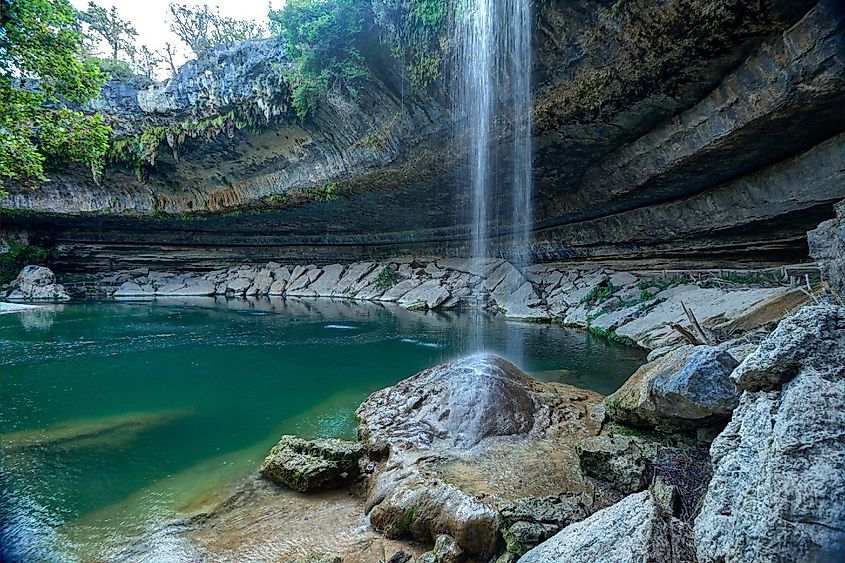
(778, 486)
(687, 388)
(827, 246)
(638, 528)
(465, 437)
(37, 283)
(304, 465)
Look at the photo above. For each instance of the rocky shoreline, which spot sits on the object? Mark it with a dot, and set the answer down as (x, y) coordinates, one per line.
(725, 446)
(636, 308)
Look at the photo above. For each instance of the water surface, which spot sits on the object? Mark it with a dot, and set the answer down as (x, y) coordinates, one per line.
(113, 416)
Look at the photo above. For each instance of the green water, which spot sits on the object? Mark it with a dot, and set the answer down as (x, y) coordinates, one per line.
(115, 415)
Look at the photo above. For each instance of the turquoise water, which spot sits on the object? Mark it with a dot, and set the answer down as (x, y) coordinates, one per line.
(114, 415)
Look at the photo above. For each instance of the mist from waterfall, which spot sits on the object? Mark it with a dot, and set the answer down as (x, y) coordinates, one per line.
(494, 96)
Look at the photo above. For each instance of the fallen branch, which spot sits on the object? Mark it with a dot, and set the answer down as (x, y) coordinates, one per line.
(703, 336)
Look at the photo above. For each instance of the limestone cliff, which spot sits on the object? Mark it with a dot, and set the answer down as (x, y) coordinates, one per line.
(671, 131)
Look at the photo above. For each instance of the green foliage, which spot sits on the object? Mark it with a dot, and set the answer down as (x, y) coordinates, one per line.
(330, 192)
(660, 283)
(323, 38)
(743, 278)
(611, 336)
(417, 31)
(113, 69)
(21, 255)
(387, 278)
(42, 66)
(598, 294)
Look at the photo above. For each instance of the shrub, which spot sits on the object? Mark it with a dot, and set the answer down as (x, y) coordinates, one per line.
(387, 278)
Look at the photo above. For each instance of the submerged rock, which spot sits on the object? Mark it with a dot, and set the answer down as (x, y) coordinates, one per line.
(634, 529)
(464, 437)
(687, 388)
(304, 465)
(778, 486)
(37, 283)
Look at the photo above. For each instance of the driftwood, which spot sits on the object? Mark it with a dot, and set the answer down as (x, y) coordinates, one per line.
(697, 335)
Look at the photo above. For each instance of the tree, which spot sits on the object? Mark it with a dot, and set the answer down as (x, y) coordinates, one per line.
(42, 68)
(201, 28)
(106, 25)
(146, 62)
(168, 55)
(323, 37)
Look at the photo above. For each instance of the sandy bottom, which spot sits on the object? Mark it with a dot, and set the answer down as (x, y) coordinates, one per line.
(260, 521)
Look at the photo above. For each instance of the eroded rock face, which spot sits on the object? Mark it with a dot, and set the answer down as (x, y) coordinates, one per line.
(634, 157)
(827, 246)
(634, 529)
(462, 438)
(37, 283)
(778, 487)
(304, 465)
(688, 387)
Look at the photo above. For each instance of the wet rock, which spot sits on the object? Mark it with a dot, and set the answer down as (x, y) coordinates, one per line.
(304, 465)
(459, 403)
(827, 247)
(634, 529)
(778, 486)
(687, 388)
(463, 437)
(615, 459)
(194, 287)
(37, 283)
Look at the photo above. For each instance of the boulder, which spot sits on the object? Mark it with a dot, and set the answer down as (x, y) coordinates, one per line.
(463, 437)
(132, 289)
(304, 465)
(326, 285)
(428, 295)
(827, 247)
(446, 550)
(814, 337)
(458, 403)
(615, 459)
(525, 523)
(238, 286)
(778, 486)
(635, 529)
(685, 389)
(37, 283)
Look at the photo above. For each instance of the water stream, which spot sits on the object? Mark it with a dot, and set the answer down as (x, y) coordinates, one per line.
(494, 96)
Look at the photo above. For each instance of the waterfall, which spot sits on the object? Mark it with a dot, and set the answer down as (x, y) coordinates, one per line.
(493, 38)
(494, 94)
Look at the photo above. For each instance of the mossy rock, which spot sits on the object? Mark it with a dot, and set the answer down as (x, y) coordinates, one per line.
(304, 465)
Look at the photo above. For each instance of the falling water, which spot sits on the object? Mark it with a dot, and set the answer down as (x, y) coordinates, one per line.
(494, 41)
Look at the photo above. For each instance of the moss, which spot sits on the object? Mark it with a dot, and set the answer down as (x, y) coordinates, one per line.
(387, 278)
(599, 294)
(512, 544)
(611, 336)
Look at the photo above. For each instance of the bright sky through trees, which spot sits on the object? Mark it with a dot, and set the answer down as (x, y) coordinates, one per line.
(151, 18)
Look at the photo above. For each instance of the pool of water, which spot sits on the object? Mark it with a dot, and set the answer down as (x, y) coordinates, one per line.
(116, 415)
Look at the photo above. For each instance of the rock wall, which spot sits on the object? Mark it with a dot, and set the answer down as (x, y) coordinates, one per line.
(667, 132)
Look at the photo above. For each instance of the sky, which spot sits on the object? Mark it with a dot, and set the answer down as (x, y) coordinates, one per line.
(151, 18)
